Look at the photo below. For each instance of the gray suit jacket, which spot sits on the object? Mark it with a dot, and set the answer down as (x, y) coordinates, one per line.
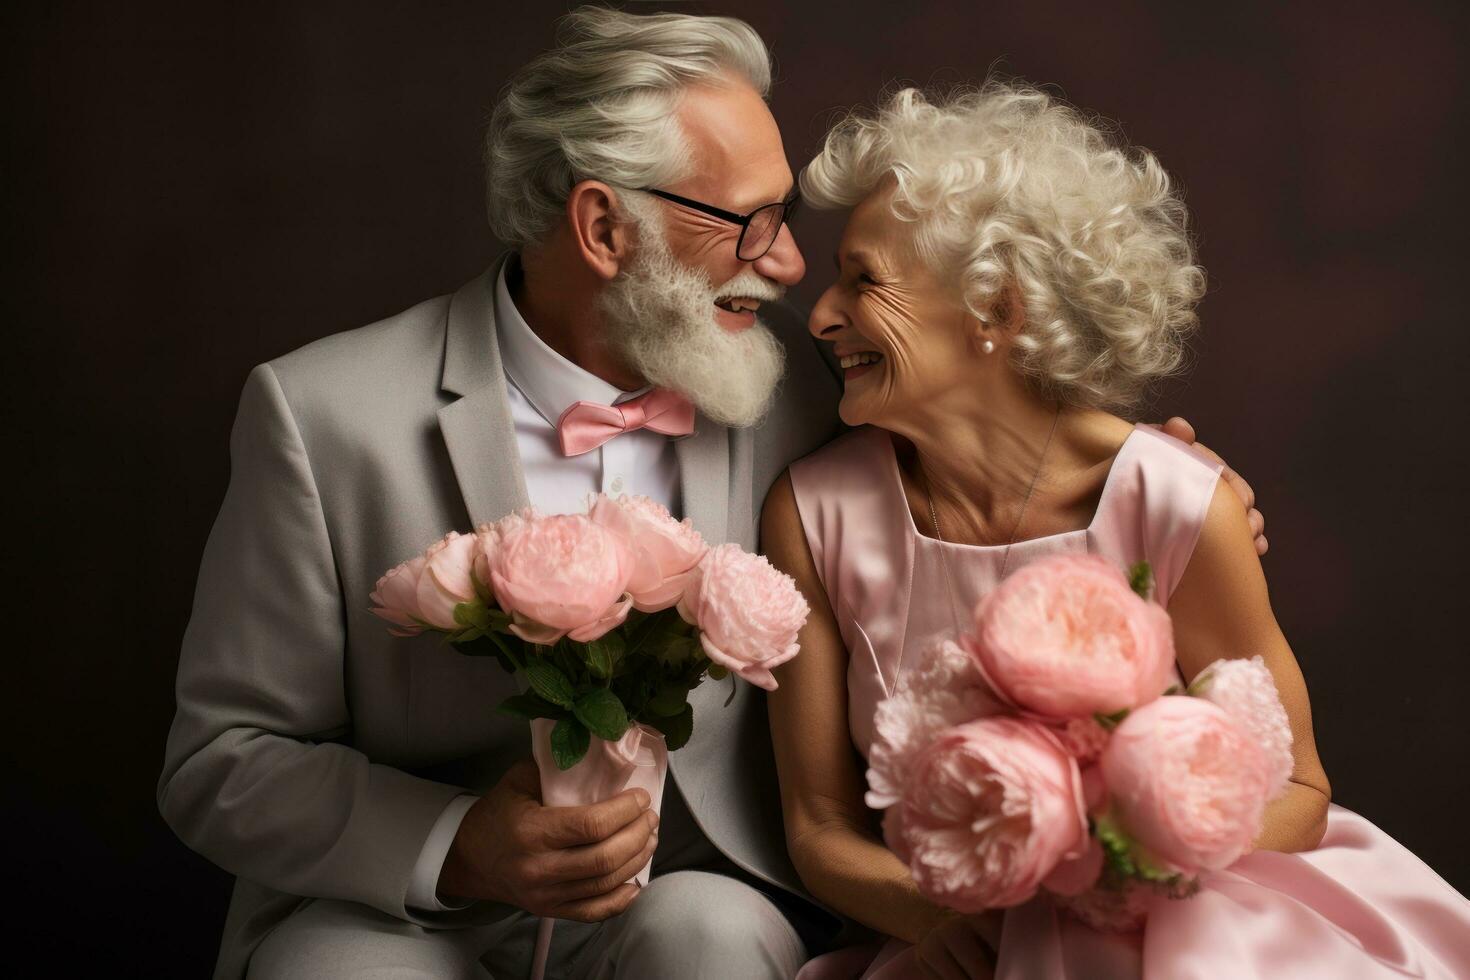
(311, 752)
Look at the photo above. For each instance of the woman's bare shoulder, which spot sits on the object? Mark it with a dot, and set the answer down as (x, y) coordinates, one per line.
(1098, 436)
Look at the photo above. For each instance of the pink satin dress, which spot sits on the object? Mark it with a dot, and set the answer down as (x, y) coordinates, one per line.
(1358, 906)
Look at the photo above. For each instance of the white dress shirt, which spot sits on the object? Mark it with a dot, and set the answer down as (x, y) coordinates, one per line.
(541, 386)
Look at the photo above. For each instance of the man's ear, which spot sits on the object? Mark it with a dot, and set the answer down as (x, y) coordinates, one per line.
(603, 240)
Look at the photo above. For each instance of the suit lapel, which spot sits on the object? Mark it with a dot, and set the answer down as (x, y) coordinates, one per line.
(477, 427)
(704, 476)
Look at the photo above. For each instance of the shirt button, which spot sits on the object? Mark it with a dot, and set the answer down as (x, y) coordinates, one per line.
(617, 484)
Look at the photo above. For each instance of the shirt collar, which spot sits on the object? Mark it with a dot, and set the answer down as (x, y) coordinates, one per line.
(550, 382)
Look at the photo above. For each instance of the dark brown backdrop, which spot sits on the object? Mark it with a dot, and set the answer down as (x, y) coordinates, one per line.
(191, 191)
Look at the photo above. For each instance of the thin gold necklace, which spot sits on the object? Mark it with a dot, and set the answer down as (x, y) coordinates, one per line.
(1015, 530)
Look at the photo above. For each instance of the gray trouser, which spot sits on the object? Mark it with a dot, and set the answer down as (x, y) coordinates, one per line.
(685, 924)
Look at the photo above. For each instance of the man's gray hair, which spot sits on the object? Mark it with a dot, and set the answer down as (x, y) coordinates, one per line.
(601, 104)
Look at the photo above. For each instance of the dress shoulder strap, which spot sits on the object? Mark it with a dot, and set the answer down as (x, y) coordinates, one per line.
(845, 495)
(1154, 505)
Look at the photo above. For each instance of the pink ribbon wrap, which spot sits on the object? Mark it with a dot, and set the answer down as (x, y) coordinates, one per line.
(638, 759)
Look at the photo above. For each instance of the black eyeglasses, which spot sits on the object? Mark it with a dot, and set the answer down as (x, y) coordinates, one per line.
(758, 229)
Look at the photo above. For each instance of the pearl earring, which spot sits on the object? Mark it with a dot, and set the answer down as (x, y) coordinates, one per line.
(988, 347)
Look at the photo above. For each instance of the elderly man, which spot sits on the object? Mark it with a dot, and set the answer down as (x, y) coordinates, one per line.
(380, 818)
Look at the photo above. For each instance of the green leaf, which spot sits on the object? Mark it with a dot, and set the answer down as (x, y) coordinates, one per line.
(673, 650)
(638, 632)
(598, 660)
(489, 645)
(1202, 683)
(718, 673)
(472, 613)
(1117, 849)
(482, 590)
(569, 741)
(530, 705)
(549, 682)
(1111, 721)
(1141, 579)
(603, 714)
(676, 730)
(1158, 876)
(482, 645)
(1122, 858)
(734, 690)
(505, 641)
(669, 700)
(604, 654)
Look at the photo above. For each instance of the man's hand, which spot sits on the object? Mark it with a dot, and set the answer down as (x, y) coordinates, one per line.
(959, 948)
(1184, 432)
(570, 862)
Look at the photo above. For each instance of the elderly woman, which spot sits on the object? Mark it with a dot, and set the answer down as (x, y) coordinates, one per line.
(1010, 283)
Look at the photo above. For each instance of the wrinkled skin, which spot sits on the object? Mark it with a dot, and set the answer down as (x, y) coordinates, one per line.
(887, 300)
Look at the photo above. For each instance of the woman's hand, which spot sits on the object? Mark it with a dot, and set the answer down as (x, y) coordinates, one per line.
(960, 947)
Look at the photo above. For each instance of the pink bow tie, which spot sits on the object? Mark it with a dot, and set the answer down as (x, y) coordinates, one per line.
(587, 425)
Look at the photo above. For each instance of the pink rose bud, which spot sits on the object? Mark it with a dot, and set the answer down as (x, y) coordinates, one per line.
(1186, 783)
(396, 598)
(1247, 692)
(446, 581)
(1066, 637)
(560, 576)
(942, 689)
(748, 613)
(665, 551)
(993, 806)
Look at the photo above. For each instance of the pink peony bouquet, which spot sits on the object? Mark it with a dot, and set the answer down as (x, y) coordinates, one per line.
(612, 617)
(1052, 750)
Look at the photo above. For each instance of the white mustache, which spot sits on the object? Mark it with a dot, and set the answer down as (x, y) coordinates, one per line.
(749, 284)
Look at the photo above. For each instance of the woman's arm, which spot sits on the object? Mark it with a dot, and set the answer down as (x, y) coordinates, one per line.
(828, 827)
(1220, 610)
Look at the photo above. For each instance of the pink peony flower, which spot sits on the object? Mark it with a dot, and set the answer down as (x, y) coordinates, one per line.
(748, 613)
(396, 598)
(1186, 783)
(558, 576)
(1066, 637)
(1083, 738)
(942, 689)
(665, 551)
(490, 535)
(446, 581)
(993, 806)
(1247, 692)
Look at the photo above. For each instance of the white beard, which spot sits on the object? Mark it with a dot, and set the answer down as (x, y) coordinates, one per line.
(660, 318)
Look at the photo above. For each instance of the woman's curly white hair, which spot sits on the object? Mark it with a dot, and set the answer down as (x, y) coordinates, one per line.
(1008, 186)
